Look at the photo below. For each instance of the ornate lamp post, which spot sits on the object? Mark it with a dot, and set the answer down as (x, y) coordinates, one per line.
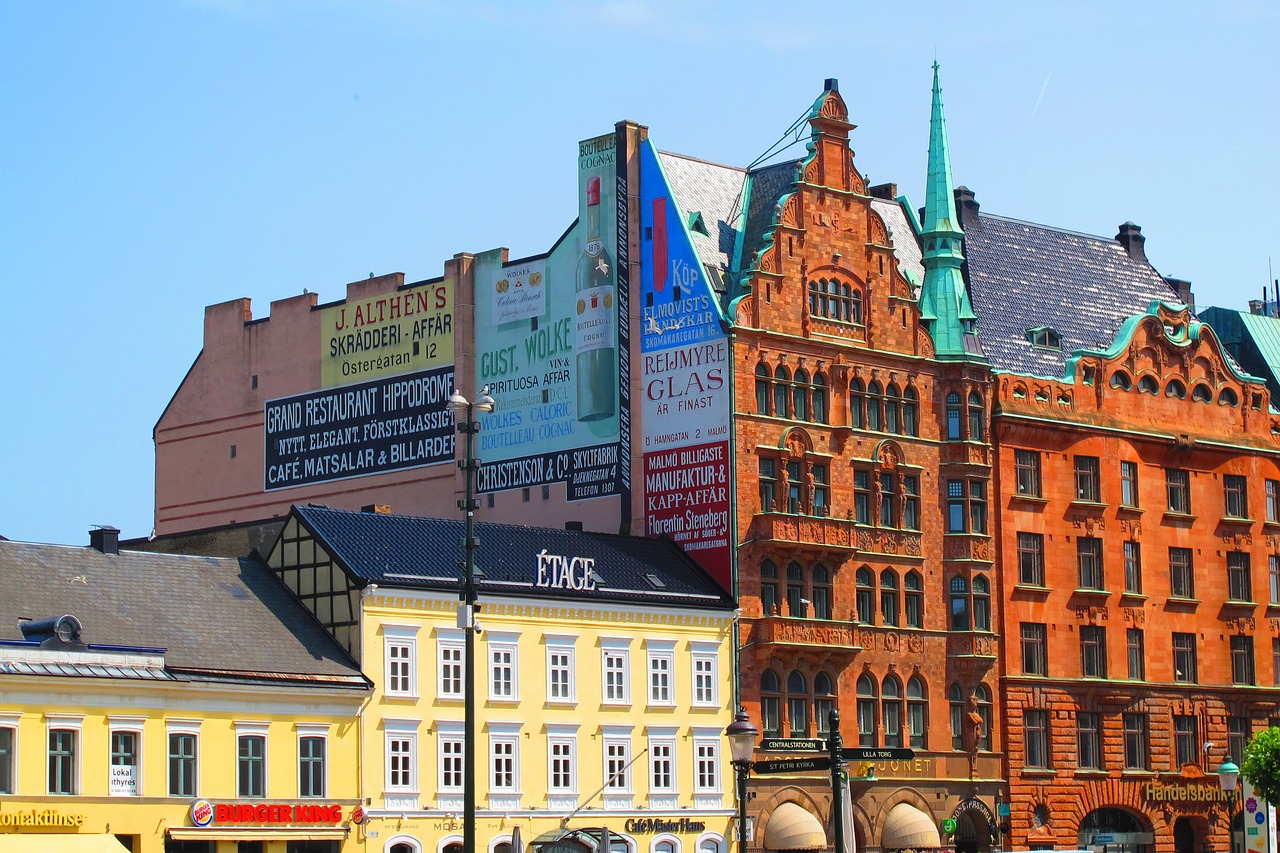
(1228, 777)
(742, 735)
(464, 414)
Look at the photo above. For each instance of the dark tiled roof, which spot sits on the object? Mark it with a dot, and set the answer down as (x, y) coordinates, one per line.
(1026, 276)
(402, 550)
(228, 617)
(716, 192)
(768, 185)
(232, 540)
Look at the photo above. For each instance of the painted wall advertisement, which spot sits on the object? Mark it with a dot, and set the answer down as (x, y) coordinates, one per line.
(550, 347)
(387, 372)
(1259, 821)
(685, 379)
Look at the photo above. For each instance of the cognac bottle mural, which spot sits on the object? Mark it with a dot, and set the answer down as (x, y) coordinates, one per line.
(595, 338)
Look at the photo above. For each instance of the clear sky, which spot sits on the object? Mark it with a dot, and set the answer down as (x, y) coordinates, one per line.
(164, 155)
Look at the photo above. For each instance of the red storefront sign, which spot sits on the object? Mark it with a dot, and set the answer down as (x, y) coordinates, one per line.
(254, 814)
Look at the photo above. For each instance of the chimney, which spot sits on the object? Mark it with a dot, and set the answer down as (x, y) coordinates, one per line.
(886, 191)
(966, 208)
(831, 85)
(1131, 238)
(1184, 291)
(377, 509)
(105, 538)
(1256, 306)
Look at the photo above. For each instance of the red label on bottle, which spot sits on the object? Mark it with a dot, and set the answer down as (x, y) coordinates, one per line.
(593, 191)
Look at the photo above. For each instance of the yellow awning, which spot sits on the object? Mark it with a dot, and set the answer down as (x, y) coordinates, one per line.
(793, 827)
(24, 842)
(249, 833)
(907, 826)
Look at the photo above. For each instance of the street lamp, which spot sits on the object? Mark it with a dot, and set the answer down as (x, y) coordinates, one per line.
(742, 735)
(1228, 776)
(464, 414)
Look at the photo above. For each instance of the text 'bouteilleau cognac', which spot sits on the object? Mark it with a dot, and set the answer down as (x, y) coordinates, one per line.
(596, 340)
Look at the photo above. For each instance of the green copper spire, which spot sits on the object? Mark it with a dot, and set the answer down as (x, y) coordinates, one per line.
(944, 301)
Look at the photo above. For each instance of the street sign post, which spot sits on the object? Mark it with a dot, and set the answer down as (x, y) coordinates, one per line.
(792, 765)
(857, 753)
(793, 745)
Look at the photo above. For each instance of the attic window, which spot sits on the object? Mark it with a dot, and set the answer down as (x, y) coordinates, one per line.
(698, 223)
(654, 581)
(1044, 337)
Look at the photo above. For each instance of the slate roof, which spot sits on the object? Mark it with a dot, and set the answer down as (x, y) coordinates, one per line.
(715, 191)
(1024, 276)
(905, 246)
(218, 618)
(408, 551)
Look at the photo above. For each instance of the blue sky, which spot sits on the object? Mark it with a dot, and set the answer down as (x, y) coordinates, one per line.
(164, 155)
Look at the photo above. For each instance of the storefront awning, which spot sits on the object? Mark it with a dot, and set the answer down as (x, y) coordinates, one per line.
(793, 827)
(60, 843)
(907, 826)
(249, 833)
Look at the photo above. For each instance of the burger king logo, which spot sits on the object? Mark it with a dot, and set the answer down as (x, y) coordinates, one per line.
(202, 812)
(357, 815)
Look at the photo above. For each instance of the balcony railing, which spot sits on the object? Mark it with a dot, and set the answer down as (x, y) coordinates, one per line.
(826, 533)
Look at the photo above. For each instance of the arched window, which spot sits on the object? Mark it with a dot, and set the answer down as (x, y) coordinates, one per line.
(917, 713)
(889, 597)
(1121, 380)
(769, 588)
(892, 409)
(816, 298)
(763, 382)
(771, 703)
(983, 695)
(891, 709)
(955, 699)
(820, 398)
(710, 845)
(977, 417)
(981, 604)
(821, 593)
(782, 381)
(866, 711)
(797, 705)
(1175, 388)
(800, 395)
(953, 416)
(665, 845)
(795, 590)
(910, 412)
(864, 583)
(855, 306)
(875, 406)
(824, 700)
(1228, 397)
(959, 604)
(1148, 385)
(857, 403)
(913, 599)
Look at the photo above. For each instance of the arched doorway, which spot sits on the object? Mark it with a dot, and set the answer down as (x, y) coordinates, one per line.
(1184, 836)
(973, 833)
(1113, 830)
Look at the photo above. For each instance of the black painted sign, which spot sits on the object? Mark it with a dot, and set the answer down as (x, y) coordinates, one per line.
(793, 744)
(792, 765)
(862, 753)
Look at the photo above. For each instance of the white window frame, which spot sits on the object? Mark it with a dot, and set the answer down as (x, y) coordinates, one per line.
(660, 738)
(563, 645)
(617, 738)
(705, 655)
(503, 643)
(563, 734)
(131, 725)
(450, 732)
(254, 729)
(665, 843)
(660, 672)
(617, 649)
(707, 749)
(181, 727)
(450, 641)
(310, 730)
(406, 637)
(507, 736)
(10, 721)
(406, 731)
(73, 723)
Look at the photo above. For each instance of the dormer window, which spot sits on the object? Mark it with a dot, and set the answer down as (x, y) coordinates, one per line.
(1045, 338)
(698, 223)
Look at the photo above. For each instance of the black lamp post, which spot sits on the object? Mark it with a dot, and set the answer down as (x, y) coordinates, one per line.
(742, 735)
(464, 414)
(1228, 778)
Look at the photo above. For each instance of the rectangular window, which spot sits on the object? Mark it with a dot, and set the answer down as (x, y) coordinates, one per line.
(977, 506)
(1033, 649)
(1239, 576)
(1088, 487)
(660, 666)
(862, 496)
(251, 766)
(1273, 578)
(1273, 501)
(451, 667)
(1178, 484)
(1235, 496)
(1182, 582)
(562, 763)
(400, 761)
(888, 516)
(1184, 658)
(311, 766)
(1036, 732)
(1242, 659)
(62, 761)
(503, 771)
(707, 766)
(8, 770)
(821, 490)
(1136, 755)
(1089, 562)
(1137, 644)
(705, 680)
(955, 506)
(1093, 651)
(617, 760)
(768, 484)
(1031, 559)
(1133, 567)
(452, 761)
(502, 671)
(1129, 483)
(182, 764)
(911, 502)
(616, 690)
(1090, 741)
(1027, 466)
(123, 781)
(1186, 741)
(1238, 734)
(560, 680)
(662, 766)
(400, 666)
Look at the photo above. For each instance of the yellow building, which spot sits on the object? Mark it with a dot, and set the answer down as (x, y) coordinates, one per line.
(603, 685)
(169, 704)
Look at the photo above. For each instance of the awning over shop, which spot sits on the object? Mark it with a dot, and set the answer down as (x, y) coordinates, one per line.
(907, 826)
(60, 843)
(793, 827)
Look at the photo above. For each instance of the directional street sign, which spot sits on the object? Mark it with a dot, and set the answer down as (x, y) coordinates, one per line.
(858, 753)
(792, 765)
(793, 745)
